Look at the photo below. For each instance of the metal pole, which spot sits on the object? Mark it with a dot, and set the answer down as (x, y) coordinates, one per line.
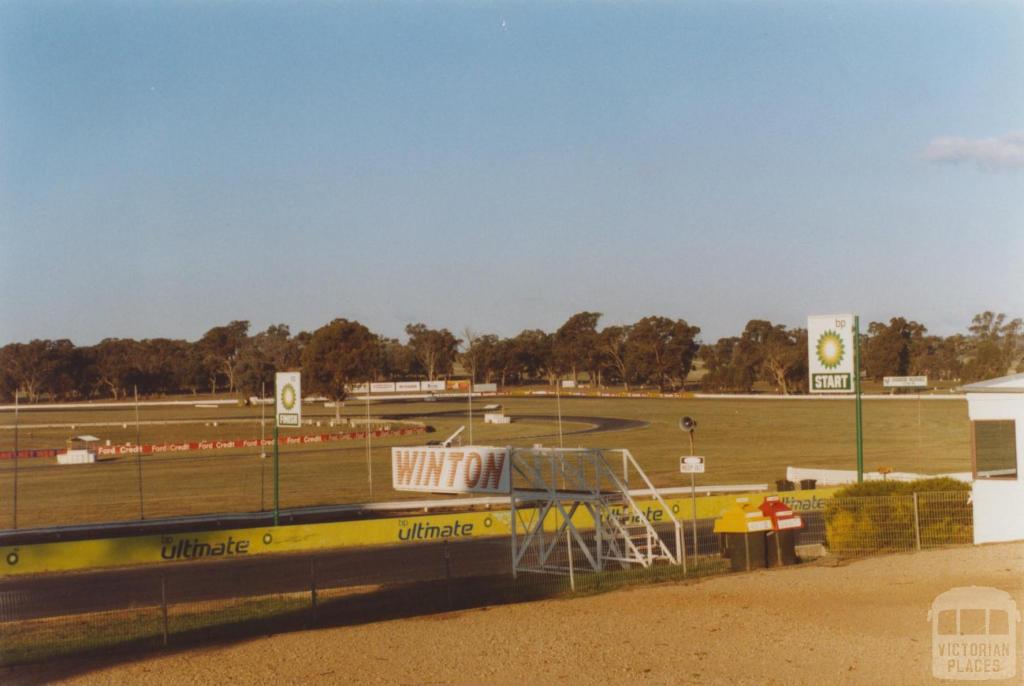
(138, 455)
(469, 398)
(572, 573)
(917, 525)
(277, 478)
(856, 381)
(558, 401)
(693, 502)
(17, 392)
(921, 453)
(369, 443)
(512, 522)
(263, 443)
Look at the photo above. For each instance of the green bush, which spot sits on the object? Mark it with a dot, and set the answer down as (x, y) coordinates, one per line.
(932, 485)
(879, 515)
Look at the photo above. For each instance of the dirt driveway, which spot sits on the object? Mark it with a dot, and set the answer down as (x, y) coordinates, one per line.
(862, 622)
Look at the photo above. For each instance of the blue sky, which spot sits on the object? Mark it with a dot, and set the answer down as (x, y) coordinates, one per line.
(168, 167)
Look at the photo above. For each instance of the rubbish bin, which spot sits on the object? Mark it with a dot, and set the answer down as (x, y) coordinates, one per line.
(780, 546)
(808, 484)
(743, 528)
(784, 485)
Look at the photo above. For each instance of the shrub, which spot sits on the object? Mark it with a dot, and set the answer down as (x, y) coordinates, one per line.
(879, 515)
(931, 485)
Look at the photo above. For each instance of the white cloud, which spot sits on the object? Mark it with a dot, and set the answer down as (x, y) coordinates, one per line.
(1005, 152)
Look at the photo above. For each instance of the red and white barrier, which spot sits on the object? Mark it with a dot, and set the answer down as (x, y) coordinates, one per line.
(219, 444)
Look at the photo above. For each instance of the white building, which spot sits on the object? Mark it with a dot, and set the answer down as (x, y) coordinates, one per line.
(996, 410)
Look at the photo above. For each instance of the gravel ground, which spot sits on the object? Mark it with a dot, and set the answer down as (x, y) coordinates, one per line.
(857, 622)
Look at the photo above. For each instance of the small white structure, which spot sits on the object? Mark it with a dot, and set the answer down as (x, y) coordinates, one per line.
(996, 410)
(80, 450)
(496, 418)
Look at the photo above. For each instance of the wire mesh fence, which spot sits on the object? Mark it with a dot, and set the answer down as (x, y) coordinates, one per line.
(185, 604)
(872, 524)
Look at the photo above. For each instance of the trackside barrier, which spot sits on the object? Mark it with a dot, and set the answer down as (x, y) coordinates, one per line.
(833, 477)
(43, 617)
(220, 444)
(155, 549)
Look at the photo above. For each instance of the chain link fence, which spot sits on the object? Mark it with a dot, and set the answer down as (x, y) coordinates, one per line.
(180, 605)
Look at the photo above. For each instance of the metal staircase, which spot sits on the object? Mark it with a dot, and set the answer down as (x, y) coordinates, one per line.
(569, 504)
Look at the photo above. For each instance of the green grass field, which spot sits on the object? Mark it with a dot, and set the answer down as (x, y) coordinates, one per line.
(744, 441)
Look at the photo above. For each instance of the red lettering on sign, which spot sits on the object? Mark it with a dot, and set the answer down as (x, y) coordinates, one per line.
(404, 466)
(474, 466)
(434, 469)
(492, 469)
(455, 459)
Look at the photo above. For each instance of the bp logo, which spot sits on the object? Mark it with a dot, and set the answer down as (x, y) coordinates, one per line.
(830, 349)
(288, 396)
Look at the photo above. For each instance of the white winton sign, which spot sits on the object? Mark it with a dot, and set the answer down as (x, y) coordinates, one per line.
(830, 351)
(434, 469)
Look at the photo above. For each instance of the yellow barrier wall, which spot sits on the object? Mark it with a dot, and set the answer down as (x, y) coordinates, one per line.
(135, 550)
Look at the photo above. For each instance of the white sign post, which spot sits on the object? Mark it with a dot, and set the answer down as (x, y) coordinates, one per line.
(287, 412)
(830, 353)
(691, 464)
(833, 364)
(288, 405)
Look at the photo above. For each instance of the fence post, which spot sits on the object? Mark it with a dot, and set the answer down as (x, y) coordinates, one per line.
(568, 547)
(917, 525)
(447, 574)
(163, 604)
(312, 586)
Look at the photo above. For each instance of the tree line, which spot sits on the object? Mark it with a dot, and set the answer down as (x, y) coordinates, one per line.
(654, 352)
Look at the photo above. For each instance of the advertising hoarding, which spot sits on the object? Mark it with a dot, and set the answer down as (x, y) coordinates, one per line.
(830, 353)
(288, 394)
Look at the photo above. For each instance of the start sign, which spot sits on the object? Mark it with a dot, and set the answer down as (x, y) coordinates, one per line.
(830, 351)
(691, 464)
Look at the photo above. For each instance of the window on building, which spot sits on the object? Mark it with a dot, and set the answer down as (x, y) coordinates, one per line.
(995, 450)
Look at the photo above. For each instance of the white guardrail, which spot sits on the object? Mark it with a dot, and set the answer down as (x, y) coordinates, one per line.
(826, 477)
(487, 501)
(847, 396)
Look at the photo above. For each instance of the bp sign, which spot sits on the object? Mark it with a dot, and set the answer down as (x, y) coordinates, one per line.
(830, 352)
(288, 407)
